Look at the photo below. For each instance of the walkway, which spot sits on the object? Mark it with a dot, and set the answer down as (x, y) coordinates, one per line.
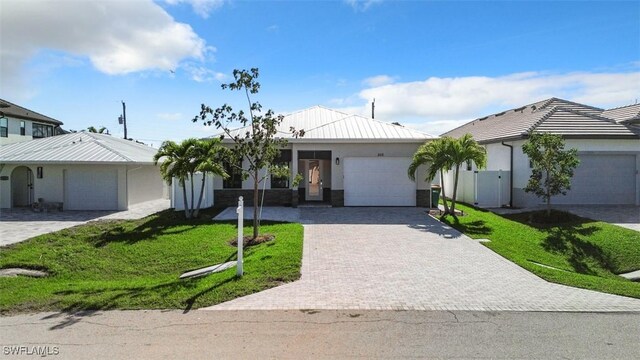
(400, 259)
(17, 225)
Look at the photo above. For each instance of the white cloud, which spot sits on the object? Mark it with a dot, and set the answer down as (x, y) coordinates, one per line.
(118, 37)
(171, 116)
(435, 99)
(379, 80)
(201, 7)
(361, 5)
(204, 74)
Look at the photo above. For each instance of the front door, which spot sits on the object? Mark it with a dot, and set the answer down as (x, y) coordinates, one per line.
(314, 181)
(22, 186)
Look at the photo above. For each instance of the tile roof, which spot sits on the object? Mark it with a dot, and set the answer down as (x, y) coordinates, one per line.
(80, 148)
(323, 124)
(13, 110)
(623, 113)
(553, 115)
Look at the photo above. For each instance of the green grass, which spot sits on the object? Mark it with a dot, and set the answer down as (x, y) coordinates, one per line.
(136, 264)
(589, 253)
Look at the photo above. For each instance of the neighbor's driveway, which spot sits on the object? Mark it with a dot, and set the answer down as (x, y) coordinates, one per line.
(17, 225)
(622, 215)
(398, 258)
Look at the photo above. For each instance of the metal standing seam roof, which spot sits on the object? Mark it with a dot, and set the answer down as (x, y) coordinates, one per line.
(552, 115)
(623, 113)
(324, 124)
(81, 148)
(13, 110)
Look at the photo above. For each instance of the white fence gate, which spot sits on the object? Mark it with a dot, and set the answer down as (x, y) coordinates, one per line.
(177, 198)
(481, 188)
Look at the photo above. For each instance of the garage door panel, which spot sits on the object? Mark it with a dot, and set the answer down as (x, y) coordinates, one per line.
(602, 179)
(378, 182)
(91, 189)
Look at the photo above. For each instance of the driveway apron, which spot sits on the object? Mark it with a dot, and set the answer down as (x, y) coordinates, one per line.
(402, 259)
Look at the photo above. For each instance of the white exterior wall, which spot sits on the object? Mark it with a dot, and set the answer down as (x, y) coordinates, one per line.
(142, 187)
(144, 183)
(362, 150)
(342, 150)
(522, 172)
(498, 157)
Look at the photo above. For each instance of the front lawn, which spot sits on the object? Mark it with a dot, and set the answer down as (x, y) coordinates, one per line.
(589, 253)
(136, 264)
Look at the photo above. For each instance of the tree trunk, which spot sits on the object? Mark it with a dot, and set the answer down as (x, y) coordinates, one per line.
(548, 196)
(192, 198)
(184, 195)
(444, 196)
(255, 204)
(455, 191)
(195, 214)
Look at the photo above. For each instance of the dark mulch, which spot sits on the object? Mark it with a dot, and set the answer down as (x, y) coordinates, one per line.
(540, 217)
(250, 241)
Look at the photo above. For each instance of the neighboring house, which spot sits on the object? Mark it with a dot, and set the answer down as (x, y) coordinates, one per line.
(84, 171)
(629, 114)
(608, 143)
(19, 124)
(346, 160)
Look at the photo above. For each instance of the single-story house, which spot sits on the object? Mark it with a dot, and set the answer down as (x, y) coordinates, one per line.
(345, 160)
(83, 171)
(19, 124)
(608, 144)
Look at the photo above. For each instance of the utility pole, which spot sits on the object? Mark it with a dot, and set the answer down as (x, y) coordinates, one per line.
(123, 119)
(373, 109)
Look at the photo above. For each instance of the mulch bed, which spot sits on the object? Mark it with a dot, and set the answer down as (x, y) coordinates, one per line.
(250, 241)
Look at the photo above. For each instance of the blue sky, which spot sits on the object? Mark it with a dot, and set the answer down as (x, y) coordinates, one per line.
(429, 65)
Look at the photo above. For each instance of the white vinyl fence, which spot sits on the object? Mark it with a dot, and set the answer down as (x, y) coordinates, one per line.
(485, 189)
(177, 198)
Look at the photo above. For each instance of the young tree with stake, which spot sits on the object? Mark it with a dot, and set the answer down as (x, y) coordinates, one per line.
(258, 145)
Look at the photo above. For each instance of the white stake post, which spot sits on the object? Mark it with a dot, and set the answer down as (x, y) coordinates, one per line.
(240, 211)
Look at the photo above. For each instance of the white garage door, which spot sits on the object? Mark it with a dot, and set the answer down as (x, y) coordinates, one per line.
(91, 189)
(602, 179)
(378, 181)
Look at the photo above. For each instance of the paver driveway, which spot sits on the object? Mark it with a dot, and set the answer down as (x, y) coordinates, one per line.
(17, 225)
(399, 258)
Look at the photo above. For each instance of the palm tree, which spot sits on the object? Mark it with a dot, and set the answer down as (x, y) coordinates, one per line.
(102, 130)
(178, 163)
(444, 154)
(208, 159)
(433, 153)
(462, 150)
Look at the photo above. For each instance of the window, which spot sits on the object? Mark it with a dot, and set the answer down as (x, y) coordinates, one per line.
(41, 131)
(22, 128)
(234, 181)
(4, 127)
(469, 167)
(281, 182)
(284, 159)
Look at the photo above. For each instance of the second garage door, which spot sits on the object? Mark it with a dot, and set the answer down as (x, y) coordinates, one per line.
(378, 181)
(91, 189)
(602, 179)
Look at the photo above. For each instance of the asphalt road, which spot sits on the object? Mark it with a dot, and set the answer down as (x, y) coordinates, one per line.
(320, 334)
